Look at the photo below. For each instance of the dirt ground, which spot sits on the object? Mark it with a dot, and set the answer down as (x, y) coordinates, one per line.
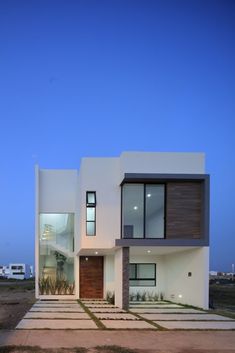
(15, 300)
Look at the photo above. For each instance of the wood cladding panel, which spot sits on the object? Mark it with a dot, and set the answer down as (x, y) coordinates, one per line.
(91, 277)
(184, 210)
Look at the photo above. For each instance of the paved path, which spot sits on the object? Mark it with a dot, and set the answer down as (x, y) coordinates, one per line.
(99, 314)
(56, 315)
(153, 341)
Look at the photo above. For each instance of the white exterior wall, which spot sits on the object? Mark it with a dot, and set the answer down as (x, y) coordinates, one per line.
(162, 162)
(194, 290)
(57, 191)
(118, 278)
(160, 274)
(101, 175)
(109, 278)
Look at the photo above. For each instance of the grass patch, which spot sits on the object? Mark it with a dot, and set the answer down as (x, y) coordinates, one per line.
(114, 349)
(99, 324)
(36, 349)
(160, 328)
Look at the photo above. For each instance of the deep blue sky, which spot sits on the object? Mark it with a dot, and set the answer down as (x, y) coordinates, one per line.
(95, 78)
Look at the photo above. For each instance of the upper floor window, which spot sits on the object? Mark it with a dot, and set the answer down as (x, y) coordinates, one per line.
(143, 210)
(90, 213)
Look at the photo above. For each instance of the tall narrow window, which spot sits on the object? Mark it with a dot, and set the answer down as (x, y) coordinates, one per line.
(90, 212)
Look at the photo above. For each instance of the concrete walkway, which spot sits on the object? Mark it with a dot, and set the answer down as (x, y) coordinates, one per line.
(178, 317)
(56, 315)
(99, 314)
(144, 340)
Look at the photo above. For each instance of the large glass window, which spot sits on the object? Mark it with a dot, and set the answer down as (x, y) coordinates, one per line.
(56, 258)
(154, 211)
(133, 206)
(141, 275)
(143, 213)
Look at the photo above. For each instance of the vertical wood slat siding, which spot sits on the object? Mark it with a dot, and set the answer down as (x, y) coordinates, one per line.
(184, 210)
(91, 277)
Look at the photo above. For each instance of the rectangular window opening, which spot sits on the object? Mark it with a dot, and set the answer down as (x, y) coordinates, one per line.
(142, 275)
(143, 210)
(90, 213)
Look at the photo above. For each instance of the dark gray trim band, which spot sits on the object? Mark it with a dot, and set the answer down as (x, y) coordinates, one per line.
(161, 242)
(152, 177)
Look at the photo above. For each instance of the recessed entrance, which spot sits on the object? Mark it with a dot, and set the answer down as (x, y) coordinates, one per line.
(91, 277)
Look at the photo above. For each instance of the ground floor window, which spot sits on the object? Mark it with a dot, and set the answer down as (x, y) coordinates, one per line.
(142, 275)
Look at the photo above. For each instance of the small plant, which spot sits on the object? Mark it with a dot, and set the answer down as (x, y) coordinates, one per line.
(131, 297)
(71, 288)
(110, 297)
(57, 286)
(138, 296)
(143, 296)
(155, 297)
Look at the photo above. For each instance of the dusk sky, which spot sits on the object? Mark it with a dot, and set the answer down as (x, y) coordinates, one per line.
(95, 78)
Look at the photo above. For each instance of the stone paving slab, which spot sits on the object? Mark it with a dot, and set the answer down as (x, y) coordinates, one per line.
(27, 324)
(148, 302)
(95, 302)
(56, 305)
(57, 301)
(107, 310)
(45, 315)
(166, 311)
(163, 306)
(116, 316)
(185, 317)
(100, 306)
(197, 325)
(127, 324)
(77, 309)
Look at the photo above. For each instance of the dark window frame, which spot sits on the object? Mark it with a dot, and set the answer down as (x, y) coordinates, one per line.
(143, 279)
(144, 209)
(91, 205)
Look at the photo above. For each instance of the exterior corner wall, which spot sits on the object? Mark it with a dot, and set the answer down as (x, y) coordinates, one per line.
(125, 278)
(76, 276)
(36, 265)
(122, 278)
(180, 287)
(118, 277)
(109, 278)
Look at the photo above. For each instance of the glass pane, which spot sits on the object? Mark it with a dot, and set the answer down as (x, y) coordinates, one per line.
(132, 271)
(90, 213)
(56, 263)
(90, 228)
(146, 271)
(154, 214)
(133, 210)
(142, 283)
(91, 197)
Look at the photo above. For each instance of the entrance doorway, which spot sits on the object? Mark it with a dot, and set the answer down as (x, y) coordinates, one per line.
(91, 277)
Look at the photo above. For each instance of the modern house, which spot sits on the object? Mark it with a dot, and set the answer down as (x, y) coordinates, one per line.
(130, 224)
(15, 271)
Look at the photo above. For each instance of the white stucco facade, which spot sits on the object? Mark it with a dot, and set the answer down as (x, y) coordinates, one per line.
(181, 270)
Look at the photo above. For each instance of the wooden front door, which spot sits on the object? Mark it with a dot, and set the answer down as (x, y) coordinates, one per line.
(91, 277)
